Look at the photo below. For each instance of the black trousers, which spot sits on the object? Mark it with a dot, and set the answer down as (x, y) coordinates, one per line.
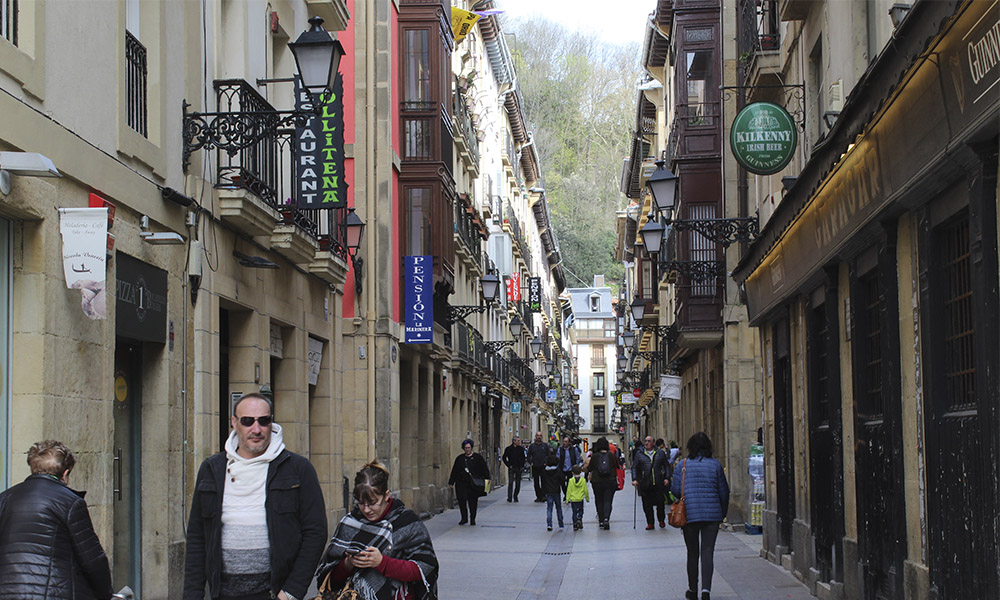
(513, 483)
(703, 548)
(653, 498)
(468, 501)
(536, 474)
(604, 494)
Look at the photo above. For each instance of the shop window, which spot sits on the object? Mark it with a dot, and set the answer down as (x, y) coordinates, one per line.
(869, 346)
(959, 330)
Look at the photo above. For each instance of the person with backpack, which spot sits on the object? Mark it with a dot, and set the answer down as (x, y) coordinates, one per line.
(601, 472)
(651, 476)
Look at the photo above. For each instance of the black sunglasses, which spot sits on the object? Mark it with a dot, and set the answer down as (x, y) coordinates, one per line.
(264, 421)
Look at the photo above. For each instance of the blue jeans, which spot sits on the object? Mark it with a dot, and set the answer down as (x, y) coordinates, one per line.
(550, 500)
(577, 511)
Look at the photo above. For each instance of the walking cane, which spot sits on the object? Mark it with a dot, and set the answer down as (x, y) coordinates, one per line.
(635, 501)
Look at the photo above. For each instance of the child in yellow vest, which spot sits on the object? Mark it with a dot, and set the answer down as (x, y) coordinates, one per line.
(576, 493)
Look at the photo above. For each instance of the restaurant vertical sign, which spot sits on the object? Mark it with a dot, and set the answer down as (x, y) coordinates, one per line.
(418, 326)
(319, 151)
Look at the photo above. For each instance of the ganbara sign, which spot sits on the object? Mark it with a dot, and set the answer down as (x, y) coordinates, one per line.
(763, 138)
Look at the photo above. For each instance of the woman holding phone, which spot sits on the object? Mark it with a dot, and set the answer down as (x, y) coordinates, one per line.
(381, 548)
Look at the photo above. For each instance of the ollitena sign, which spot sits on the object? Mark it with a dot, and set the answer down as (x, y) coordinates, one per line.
(763, 138)
(419, 324)
(319, 151)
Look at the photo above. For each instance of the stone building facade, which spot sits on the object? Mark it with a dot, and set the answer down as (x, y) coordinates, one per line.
(872, 285)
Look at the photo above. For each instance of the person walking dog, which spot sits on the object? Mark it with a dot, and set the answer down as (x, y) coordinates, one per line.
(702, 485)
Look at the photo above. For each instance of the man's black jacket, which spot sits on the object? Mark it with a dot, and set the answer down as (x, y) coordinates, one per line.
(296, 526)
(641, 467)
(538, 452)
(514, 457)
(48, 548)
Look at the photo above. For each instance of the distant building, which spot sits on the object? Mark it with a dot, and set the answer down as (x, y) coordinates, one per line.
(594, 349)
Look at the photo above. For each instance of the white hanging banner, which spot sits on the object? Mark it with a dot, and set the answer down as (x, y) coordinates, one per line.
(85, 236)
(670, 387)
(315, 358)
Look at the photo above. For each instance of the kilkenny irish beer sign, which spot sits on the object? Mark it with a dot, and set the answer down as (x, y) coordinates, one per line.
(763, 138)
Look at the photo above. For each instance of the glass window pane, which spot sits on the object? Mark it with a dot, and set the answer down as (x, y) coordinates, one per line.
(418, 221)
(417, 76)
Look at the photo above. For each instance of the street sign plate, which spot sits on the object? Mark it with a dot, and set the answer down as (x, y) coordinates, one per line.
(515, 407)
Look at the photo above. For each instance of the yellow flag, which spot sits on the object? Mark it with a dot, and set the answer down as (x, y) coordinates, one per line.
(462, 22)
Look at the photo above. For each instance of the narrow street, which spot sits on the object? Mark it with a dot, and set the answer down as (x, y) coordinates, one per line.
(510, 555)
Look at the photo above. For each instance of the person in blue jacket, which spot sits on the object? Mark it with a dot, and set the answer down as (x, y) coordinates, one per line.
(699, 478)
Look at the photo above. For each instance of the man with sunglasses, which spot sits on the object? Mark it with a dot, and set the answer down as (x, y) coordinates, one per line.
(258, 521)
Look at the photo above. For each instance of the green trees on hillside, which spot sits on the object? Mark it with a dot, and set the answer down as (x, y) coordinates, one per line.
(579, 97)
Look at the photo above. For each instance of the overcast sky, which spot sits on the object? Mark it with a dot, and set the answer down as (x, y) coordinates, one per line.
(617, 22)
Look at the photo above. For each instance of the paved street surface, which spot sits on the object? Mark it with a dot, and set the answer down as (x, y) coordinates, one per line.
(510, 555)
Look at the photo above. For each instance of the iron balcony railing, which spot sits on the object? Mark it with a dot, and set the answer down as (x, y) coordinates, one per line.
(758, 31)
(521, 373)
(468, 231)
(511, 219)
(465, 125)
(265, 168)
(135, 83)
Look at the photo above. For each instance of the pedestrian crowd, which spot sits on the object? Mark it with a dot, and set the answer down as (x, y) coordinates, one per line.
(258, 526)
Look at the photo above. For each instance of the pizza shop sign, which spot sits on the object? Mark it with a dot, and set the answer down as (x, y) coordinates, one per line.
(763, 138)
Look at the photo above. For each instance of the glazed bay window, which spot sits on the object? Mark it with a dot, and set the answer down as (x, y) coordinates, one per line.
(699, 71)
(417, 227)
(418, 106)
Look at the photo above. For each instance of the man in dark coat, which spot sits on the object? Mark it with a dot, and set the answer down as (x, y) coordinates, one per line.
(514, 457)
(538, 452)
(48, 547)
(258, 521)
(651, 475)
(569, 456)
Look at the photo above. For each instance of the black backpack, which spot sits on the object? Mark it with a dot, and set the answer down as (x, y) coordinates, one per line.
(604, 464)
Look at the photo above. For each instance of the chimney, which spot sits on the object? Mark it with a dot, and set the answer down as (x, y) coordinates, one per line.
(598, 281)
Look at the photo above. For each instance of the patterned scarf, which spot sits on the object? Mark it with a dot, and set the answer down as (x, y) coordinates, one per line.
(400, 535)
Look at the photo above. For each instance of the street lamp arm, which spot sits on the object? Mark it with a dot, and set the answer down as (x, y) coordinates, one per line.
(721, 231)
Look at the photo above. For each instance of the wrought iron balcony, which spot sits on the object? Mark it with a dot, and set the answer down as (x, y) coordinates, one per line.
(467, 228)
(466, 128)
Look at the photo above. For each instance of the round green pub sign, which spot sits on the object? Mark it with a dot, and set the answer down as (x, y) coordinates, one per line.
(763, 138)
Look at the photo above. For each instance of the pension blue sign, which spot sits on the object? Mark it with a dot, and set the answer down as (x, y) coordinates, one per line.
(418, 327)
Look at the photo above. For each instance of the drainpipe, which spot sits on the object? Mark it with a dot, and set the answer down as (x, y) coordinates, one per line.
(371, 283)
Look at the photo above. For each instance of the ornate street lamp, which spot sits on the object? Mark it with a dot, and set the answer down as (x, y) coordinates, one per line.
(535, 345)
(638, 309)
(317, 56)
(354, 229)
(516, 327)
(662, 185)
(490, 285)
(629, 337)
(652, 236)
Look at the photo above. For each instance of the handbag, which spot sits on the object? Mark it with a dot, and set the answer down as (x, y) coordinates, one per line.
(327, 593)
(678, 512)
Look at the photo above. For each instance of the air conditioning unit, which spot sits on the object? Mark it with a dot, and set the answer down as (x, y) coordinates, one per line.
(598, 393)
(836, 96)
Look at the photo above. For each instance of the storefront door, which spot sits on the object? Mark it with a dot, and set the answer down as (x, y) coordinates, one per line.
(126, 548)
